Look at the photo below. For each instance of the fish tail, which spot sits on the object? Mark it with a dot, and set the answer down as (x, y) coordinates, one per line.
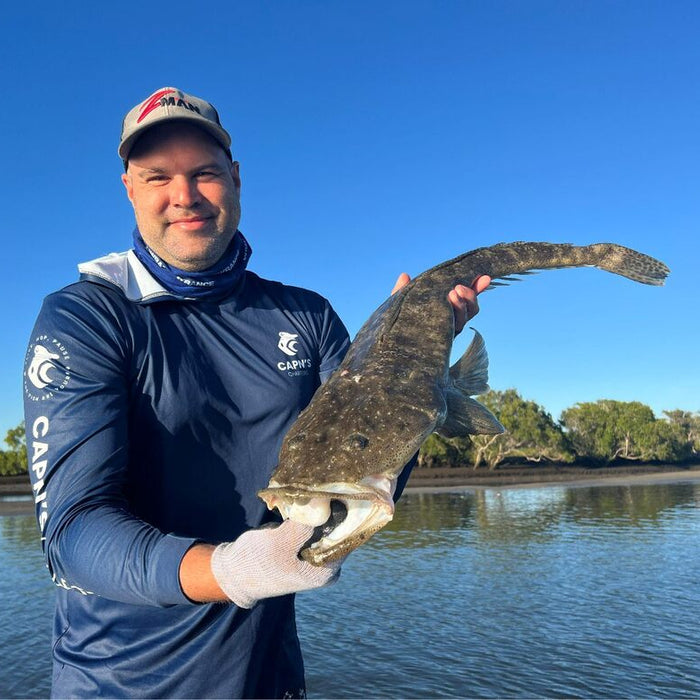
(504, 260)
(626, 262)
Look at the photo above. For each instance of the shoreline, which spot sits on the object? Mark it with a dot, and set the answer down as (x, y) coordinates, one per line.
(564, 481)
(15, 492)
(524, 476)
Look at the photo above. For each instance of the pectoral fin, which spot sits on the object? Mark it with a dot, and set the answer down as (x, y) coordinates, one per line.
(465, 416)
(469, 376)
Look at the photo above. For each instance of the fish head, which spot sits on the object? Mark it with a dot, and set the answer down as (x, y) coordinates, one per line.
(344, 515)
(339, 465)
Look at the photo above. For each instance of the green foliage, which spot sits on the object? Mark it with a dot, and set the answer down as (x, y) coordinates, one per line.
(531, 433)
(601, 432)
(686, 426)
(607, 430)
(666, 443)
(436, 451)
(14, 460)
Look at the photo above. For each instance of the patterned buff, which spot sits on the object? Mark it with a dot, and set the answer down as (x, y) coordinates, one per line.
(212, 282)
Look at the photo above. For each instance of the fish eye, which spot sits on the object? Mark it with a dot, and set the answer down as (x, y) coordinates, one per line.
(358, 441)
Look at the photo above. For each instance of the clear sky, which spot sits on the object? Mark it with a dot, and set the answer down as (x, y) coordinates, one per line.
(384, 136)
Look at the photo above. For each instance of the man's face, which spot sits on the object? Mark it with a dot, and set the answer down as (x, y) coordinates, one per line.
(185, 193)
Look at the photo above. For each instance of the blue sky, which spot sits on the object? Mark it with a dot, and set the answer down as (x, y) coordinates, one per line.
(377, 137)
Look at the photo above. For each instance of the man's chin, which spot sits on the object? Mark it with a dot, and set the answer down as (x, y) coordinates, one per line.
(199, 252)
(198, 261)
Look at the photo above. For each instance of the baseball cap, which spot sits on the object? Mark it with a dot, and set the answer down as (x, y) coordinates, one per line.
(166, 105)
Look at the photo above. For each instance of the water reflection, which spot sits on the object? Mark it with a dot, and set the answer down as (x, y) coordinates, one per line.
(417, 512)
(534, 514)
(518, 593)
(633, 505)
(22, 531)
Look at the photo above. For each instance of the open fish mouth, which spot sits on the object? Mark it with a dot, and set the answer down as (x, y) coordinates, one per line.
(344, 515)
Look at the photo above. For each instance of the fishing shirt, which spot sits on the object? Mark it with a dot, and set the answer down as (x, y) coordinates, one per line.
(152, 421)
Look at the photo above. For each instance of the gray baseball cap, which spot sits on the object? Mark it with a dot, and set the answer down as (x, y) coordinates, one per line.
(166, 105)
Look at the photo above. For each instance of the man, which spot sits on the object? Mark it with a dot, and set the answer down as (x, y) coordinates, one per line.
(155, 409)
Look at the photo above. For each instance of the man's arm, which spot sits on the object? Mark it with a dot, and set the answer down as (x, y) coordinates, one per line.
(76, 407)
(196, 577)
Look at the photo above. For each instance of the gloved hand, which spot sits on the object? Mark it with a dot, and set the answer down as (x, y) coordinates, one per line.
(264, 563)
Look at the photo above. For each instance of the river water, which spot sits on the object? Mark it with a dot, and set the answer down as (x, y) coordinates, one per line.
(576, 592)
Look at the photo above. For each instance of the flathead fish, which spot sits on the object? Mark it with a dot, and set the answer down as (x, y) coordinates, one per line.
(340, 460)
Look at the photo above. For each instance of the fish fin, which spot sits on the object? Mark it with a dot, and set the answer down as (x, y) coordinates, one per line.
(470, 374)
(505, 280)
(465, 416)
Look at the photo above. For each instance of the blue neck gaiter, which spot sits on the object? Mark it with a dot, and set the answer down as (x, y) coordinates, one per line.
(215, 281)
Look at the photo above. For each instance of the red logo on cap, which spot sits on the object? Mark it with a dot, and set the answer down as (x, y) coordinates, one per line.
(152, 102)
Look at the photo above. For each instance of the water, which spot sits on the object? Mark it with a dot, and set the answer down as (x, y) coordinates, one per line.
(27, 594)
(545, 592)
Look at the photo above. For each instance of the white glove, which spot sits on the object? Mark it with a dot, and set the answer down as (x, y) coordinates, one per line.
(264, 563)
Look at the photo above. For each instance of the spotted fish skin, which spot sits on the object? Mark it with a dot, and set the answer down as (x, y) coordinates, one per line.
(395, 387)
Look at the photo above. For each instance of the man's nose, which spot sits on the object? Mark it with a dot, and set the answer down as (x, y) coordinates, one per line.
(184, 192)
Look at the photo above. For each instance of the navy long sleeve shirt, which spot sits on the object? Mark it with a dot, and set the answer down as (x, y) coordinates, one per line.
(152, 421)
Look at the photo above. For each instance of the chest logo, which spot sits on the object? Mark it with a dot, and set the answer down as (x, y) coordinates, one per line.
(288, 343)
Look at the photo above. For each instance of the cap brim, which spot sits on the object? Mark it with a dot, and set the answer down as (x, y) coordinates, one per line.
(218, 133)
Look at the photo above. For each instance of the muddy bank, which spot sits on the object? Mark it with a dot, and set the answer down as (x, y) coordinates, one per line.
(15, 495)
(525, 475)
(15, 485)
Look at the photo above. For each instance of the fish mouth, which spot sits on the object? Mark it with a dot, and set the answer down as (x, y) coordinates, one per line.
(344, 516)
(339, 511)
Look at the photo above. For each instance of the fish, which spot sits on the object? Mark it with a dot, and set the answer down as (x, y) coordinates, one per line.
(340, 460)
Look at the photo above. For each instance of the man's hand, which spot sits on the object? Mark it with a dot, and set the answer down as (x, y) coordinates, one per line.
(264, 563)
(463, 299)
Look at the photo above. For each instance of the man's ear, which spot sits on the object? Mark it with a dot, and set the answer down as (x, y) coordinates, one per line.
(126, 180)
(236, 173)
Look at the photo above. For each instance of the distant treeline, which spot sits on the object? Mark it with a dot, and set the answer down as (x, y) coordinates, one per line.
(14, 460)
(592, 433)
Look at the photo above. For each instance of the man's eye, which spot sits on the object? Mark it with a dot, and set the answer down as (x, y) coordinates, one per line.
(156, 178)
(206, 173)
